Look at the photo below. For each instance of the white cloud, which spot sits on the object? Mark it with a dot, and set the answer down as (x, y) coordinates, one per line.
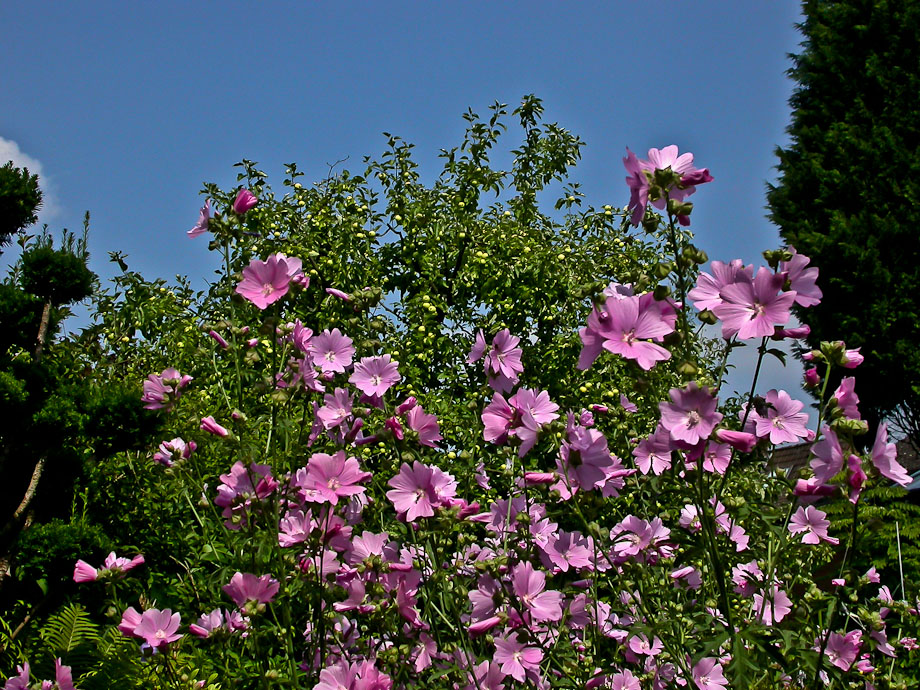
(10, 151)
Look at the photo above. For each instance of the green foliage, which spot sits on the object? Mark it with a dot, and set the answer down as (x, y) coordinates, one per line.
(889, 537)
(20, 199)
(848, 194)
(48, 551)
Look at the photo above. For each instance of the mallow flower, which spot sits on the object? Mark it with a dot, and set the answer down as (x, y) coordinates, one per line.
(265, 282)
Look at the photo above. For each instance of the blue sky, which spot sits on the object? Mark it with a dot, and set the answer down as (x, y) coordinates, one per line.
(127, 107)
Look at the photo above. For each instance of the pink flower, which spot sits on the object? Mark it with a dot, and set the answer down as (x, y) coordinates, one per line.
(246, 588)
(332, 351)
(162, 390)
(204, 216)
(641, 176)
(265, 282)
(336, 408)
(739, 440)
(752, 309)
(644, 541)
(692, 415)
(851, 359)
(236, 490)
(857, 477)
(244, 201)
(745, 575)
(841, 650)
(812, 378)
(63, 678)
(210, 425)
(113, 565)
(503, 361)
(529, 586)
(707, 675)
(158, 628)
(219, 620)
(419, 489)
(653, 454)
(706, 294)
(640, 645)
(784, 421)
(425, 425)
(846, 398)
(624, 326)
(20, 682)
(770, 609)
(802, 280)
(130, 619)
(813, 523)
(522, 416)
(374, 376)
(828, 456)
(344, 296)
(171, 452)
(884, 457)
(330, 477)
(638, 184)
(516, 659)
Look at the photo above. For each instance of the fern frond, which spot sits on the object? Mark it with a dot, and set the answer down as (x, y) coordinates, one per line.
(69, 629)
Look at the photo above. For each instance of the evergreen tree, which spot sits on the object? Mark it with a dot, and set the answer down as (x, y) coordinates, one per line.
(848, 194)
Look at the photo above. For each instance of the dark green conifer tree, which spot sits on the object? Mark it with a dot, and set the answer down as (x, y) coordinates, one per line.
(848, 193)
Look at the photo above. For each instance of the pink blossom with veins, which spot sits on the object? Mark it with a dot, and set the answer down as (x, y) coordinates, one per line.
(640, 645)
(884, 457)
(515, 658)
(425, 425)
(802, 280)
(706, 293)
(331, 477)
(336, 408)
(374, 376)
(707, 675)
(841, 650)
(419, 489)
(753, 308)
(530, 587)
(828, 456)
(746, 576)
(295, 527)
(624, 326)
(653, 454)
(638, 186)
(784, 421)
(265, 282)
(302, 337)
(332, 351)
(244, 588)
(857, 477)
(158, 628)
(813, 523)
(691, 415)
(772, 608)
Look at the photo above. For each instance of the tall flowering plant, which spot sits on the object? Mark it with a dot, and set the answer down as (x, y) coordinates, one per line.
(365, 517)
